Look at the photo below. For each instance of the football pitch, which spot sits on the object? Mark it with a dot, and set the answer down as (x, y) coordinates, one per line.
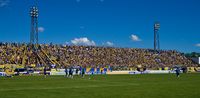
(102, 86)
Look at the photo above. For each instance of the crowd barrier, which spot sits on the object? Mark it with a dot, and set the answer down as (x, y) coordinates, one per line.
(88, 72)
(62, 72)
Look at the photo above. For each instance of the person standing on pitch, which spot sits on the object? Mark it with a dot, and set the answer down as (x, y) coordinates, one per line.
(76, 71)
(45, 72)
(80, 69)
(83, 72)
(177, 72)
(66, 71)
(91, 72)
(71, 72)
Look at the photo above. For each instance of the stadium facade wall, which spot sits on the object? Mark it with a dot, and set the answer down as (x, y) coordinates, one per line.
(197, 60)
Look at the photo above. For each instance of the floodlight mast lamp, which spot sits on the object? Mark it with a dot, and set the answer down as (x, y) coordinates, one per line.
(156, 36)
(34, 25)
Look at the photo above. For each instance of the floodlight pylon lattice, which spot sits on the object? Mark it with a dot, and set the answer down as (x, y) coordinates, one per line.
(156, 36)
(34, 25)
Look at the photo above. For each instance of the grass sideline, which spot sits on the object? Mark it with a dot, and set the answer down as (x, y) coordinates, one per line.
(109, 86)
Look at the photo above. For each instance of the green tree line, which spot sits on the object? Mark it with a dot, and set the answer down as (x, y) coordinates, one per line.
(192, 55)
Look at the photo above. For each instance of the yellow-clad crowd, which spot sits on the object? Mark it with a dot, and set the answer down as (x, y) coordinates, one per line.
(64, 55)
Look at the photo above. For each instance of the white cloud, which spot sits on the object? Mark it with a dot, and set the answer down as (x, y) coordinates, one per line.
(198, 45)
(41, 29)
(83, 41)
(67, 43)
(108, 44)
(4, 3)
(135, 38)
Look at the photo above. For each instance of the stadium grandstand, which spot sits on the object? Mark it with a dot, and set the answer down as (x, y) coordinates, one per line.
(90, 56)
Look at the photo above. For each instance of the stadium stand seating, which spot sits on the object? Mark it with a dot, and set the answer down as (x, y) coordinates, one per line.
(61, 55)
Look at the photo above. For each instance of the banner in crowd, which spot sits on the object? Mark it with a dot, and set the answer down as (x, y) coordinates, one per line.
(191, 69)
(11, 66)
(57, 72)
(2, 74)
(154, 72)
(1, 66)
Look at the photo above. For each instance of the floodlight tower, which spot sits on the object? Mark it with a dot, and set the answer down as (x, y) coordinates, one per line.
(156, 36)
(34, 25)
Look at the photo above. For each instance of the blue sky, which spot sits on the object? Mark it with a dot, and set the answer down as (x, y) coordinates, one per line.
(118, 23)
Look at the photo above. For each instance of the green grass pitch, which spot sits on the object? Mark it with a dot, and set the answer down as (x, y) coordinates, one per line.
(100, 86)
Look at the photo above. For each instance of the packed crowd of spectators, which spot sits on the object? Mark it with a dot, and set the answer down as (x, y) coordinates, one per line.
(13, 53)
